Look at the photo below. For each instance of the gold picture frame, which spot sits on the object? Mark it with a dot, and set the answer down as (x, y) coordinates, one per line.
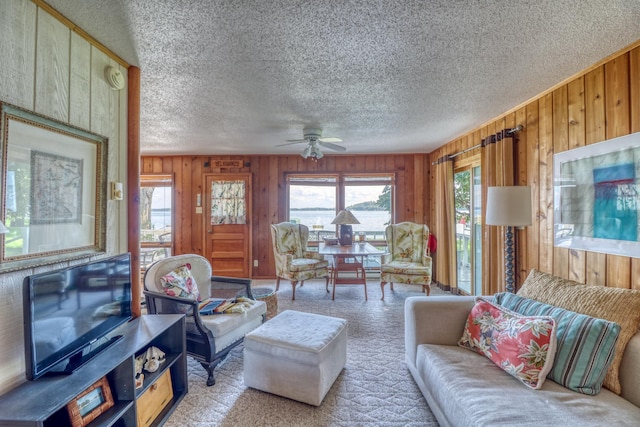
(53, 185)
(89, 404)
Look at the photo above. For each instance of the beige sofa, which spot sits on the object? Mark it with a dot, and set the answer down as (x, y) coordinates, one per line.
(464, 388)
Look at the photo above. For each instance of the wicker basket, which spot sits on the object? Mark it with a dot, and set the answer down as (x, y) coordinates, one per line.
(269, 296)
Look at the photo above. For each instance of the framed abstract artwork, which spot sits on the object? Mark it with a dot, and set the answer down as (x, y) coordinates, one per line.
(53, 189)
(597, 197)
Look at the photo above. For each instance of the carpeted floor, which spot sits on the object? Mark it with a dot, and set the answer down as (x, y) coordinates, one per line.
(375, 388)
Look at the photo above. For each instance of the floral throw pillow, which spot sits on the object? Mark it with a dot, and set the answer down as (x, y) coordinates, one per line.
(522, 346)
(180, 283)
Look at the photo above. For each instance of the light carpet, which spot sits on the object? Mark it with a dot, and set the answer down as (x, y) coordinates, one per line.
(375, 387)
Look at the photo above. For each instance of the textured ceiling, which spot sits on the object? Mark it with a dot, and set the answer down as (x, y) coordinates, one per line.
(242, 76)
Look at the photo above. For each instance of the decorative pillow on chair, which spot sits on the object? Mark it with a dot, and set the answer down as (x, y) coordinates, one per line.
(180, 283)
(522, 346)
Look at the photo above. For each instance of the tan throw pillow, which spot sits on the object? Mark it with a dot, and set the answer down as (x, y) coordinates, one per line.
(621, 306)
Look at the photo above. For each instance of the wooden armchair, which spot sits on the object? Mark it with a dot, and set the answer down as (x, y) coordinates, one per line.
(209, 338)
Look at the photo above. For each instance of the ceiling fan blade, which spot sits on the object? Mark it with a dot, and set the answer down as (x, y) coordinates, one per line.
(331, 146)
(293, 141)
(329, 139)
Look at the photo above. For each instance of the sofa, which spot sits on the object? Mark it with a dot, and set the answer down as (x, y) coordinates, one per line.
(465, 388)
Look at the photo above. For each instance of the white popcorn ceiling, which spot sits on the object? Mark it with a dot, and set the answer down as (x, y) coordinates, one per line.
(241, 76)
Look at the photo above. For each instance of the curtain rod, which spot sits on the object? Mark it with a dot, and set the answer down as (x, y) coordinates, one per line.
(490, 139)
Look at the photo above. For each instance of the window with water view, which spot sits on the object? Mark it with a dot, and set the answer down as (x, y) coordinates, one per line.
(315, 200)
(156, 218)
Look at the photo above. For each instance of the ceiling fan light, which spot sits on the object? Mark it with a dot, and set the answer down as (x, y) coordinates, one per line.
(306, 153)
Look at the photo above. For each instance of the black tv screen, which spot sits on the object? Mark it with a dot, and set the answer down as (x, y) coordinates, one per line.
(68, 311)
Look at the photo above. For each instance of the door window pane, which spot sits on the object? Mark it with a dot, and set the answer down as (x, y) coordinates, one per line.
(462, 189)
(477, 231)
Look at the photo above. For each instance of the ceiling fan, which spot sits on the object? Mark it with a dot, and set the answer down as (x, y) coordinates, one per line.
(314, 139)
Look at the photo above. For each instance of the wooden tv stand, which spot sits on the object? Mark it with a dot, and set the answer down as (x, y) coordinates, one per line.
(43, 402)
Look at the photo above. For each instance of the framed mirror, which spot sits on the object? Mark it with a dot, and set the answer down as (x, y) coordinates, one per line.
(53, 189)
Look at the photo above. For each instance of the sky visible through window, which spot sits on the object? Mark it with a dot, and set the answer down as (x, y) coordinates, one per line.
(309, 196)
(315, 206)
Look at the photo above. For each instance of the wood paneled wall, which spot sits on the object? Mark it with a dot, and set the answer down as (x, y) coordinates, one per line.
(600, 104)
(269, 191)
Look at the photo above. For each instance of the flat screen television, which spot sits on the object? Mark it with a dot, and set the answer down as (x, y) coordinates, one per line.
(69, 311)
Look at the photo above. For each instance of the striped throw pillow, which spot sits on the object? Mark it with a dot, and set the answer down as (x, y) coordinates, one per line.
(585, 347)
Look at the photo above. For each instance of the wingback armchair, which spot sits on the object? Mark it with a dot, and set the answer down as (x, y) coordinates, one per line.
(209, 338)
(407, 260)
(293, 261)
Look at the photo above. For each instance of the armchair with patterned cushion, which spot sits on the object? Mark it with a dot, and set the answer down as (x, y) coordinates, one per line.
(180, 284)
(407, 260)
(293, 261)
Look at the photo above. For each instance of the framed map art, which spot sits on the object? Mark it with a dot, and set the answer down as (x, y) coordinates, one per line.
(56, 188)
(53, 189)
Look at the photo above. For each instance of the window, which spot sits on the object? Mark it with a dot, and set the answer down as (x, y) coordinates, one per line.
(467, 189)
(156, 218)
(315, 200)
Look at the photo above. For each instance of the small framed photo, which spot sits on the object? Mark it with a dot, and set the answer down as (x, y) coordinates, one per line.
(89, 404)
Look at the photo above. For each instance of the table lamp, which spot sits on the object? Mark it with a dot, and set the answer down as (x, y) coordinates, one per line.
(510, 207)
(345, 219)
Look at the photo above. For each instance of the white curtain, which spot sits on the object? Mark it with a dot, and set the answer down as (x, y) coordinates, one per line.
(228, 202)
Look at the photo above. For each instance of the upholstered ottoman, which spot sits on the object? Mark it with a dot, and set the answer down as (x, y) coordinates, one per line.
(296, 355)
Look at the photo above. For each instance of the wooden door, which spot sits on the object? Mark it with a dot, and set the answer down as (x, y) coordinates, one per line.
(227, 240)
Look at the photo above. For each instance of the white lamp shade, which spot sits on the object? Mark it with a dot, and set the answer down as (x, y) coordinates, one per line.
(3, 229)
(509, 206)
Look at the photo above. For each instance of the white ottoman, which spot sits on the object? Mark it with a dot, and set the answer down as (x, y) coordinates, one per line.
(296, 355)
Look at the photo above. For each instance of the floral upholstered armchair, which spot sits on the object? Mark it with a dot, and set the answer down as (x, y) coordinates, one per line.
(407, 260)
(293, 261)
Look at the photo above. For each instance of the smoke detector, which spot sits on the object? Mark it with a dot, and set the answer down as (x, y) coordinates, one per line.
(114, 77)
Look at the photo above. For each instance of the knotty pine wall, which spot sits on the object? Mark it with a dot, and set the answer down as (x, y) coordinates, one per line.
(269, 192)
(597, 105)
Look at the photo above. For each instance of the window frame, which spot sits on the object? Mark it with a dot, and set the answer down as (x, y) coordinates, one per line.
(341, 180)
(159, 180)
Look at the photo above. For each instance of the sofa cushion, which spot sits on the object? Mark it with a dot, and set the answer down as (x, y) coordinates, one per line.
(621, 306)
(306, 264)
(522, 346)
(222, 324)
(471, 391)
(585, 344)
(405, 267)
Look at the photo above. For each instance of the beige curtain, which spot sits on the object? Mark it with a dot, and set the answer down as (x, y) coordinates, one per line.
(497, 166)
(445, 227)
